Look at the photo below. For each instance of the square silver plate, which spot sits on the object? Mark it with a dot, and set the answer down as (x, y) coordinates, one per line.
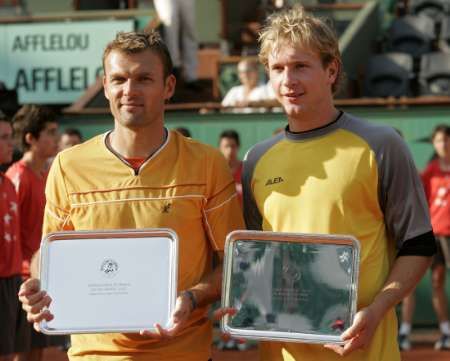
(290, 286)
(109, 281)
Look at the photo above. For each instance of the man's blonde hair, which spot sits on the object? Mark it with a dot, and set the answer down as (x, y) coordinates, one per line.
(136, 42)
(296, 27)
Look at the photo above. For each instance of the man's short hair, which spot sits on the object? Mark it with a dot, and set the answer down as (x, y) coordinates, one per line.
(31, 119)
(296, 27)
(136, 42)
(72, 132)
(232, 134)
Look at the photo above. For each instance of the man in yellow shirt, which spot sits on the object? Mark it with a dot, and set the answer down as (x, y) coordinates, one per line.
(332, 173)
(140, 175)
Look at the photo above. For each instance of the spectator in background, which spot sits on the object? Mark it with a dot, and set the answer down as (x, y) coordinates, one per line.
(178, 19)
(12, 329)
(69, 138)
(36, 129)
(229, 145)
(251, 90)
(436, 182)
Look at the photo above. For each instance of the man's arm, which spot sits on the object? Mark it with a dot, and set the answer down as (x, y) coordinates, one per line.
(204, 293)
(209, 289)
(405, 274)
(403, 203)
(221, 215)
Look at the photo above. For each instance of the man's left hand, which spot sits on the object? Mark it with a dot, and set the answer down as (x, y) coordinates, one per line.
(359, 335)
(180, 316)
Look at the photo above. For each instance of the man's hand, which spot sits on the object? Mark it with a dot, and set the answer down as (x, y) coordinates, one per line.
(222, 312)
(180, 316)
(35, 302)
(359, 335)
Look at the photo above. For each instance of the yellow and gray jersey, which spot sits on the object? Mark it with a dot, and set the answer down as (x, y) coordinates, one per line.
(349, 177)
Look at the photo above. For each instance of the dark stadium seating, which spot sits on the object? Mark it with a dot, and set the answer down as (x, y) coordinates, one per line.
(412, 34)
(435, 9)
(389, 75)
(434, 76)
(445, 30)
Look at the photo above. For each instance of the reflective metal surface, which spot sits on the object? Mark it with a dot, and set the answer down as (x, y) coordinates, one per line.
(291, 287)
(109, 281)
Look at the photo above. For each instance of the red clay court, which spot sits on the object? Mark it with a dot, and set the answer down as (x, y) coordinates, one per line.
(423, 342)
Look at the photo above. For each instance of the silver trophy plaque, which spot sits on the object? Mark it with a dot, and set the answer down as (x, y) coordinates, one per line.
(290, 287)
(109, 281)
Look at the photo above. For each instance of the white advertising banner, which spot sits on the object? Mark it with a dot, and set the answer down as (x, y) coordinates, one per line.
(54, 62)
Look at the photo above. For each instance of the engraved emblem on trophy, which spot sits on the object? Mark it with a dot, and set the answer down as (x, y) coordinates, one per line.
(109, 268)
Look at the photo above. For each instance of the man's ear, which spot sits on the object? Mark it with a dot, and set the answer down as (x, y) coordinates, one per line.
(333, 70)
(169, 88)
(104, 87)
(29, 138)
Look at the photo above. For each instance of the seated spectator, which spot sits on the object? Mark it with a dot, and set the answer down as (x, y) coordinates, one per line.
(250, 91)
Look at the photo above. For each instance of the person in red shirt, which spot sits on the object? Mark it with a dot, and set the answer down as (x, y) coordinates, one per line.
(229, 145)
(36, 129)
(10, 254)
(436, 182)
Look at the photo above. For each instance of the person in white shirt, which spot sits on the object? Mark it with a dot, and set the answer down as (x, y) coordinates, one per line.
(251, 89)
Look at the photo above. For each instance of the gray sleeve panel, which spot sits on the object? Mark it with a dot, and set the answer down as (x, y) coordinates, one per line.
(252, 215)
(400, 191)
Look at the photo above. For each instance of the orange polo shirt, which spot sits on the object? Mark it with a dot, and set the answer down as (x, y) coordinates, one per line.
(185, 186)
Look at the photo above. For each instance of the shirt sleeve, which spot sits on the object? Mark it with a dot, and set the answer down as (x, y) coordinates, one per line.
(230, 98)
(426, 178)
(402, 197)
(21, 186)
(222, 212)
(252, 216)
(57, 208)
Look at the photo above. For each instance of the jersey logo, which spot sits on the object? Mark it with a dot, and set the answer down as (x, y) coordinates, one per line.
(166, 208)
(275, 180)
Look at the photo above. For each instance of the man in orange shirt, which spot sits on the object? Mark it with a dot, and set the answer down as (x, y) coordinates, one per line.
(141, 175)
(36, 129)
(10, 255)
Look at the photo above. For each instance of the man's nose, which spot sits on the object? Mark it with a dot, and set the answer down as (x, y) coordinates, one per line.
(288, 77)
(130, 87)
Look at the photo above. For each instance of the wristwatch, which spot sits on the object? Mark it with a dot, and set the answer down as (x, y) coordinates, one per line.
(189, 294)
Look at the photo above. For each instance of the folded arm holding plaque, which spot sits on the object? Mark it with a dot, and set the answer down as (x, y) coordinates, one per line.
(290, 287)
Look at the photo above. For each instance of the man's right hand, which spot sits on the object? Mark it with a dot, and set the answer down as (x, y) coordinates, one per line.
(35, 302)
